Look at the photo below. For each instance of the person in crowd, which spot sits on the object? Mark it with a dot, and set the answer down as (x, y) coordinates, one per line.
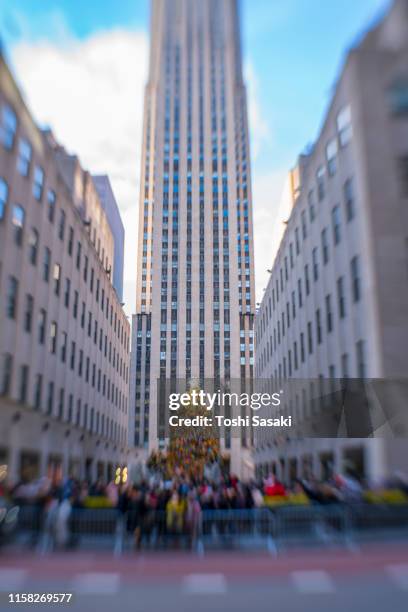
(175, 510)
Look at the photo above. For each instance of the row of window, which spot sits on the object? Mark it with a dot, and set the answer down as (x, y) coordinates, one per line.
(18, 219)
(283, 323)
(8, 129)
(296, 356)
(100, 339)
(61, 405)
(288, 261)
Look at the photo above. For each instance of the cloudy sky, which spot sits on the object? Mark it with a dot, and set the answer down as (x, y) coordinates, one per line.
(82, 66)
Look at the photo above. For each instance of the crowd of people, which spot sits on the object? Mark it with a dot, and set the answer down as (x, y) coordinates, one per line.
(171, 497)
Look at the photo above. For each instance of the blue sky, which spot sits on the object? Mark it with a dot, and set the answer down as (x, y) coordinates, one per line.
(293, 50)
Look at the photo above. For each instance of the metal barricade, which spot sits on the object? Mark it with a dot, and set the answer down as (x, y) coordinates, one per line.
(29, 524)
(252, 528)
(312, 525)
(151, 531)
(379, 521)
(274, 529)
(94, 528)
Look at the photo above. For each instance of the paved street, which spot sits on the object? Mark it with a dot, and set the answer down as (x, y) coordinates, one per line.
(374, 579)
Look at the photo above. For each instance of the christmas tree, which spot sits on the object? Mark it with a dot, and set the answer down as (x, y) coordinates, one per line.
(190, 448)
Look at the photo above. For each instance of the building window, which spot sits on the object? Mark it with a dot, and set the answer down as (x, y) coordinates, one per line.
(344, 366)
(398, 97)
(309, 338)
(70, 240)
(24, 157)
(300, 299)
(340, 297)
(42, 320)
(64, 341)
(355, 279)
(75, 308)
(315, 262)
(78, 255)
(297, 241)
(292, 263)
(38, 391)
(85, 268)
(3, 197)
(50, 398)
(57, 278)
(73, 353)
(318, 327)
(61, 401)
(329, 314)
(46, 264)
(12, 293)
(8, 126)
(344, 127)
(325, 246)
(312, 210)
(307, 283)
(6, 374)
(336, 224)
(51, 200)
(22, 391)
(403, 168)
(331, 155)
(28, 314)
(304, 226)
(53, 337)
(18, 223)
(38, 184)
(361, 365)
(61, 225)
(33, 246)
(320, 183)
(67, 292)
(348, 191)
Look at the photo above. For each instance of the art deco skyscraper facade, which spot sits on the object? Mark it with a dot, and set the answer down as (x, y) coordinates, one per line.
(195, 279)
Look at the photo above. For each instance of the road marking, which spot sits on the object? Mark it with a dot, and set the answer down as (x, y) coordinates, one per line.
(96, 583)
(201, 584)
(11, 578)
(399, 575)
(313, 581)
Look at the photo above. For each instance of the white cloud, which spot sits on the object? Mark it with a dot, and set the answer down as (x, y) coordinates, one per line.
(268, 187)
(91, 93)
(268, 190)
(258, 125)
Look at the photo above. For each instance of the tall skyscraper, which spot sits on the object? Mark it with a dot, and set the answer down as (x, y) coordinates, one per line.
(195, 278)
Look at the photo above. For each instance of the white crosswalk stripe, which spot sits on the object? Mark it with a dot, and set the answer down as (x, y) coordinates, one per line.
(399, 575)
(312, 581)
(96, 583)
(201, 584)
(11, 578)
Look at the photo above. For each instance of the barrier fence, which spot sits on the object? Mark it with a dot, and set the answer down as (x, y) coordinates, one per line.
(274, 529)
